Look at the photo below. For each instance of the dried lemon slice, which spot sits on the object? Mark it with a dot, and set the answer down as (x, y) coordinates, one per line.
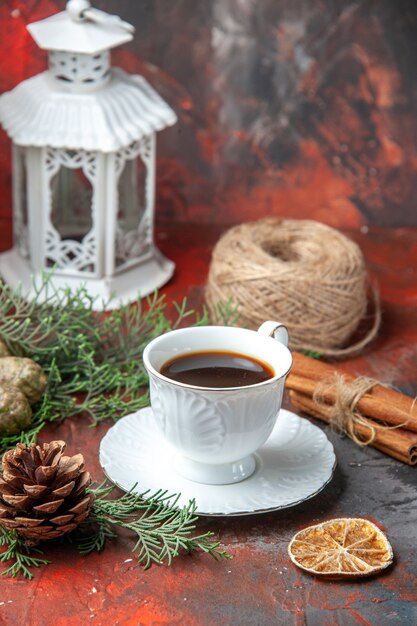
(346, 547)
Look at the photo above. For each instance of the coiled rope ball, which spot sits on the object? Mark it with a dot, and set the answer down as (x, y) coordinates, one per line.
(300, 272)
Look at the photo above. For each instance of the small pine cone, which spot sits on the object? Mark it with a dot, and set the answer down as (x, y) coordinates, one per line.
(43, 493)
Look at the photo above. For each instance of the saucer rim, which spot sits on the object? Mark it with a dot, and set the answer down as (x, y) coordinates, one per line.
(260, 511)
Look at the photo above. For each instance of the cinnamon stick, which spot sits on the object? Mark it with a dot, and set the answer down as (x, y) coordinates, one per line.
(371, 406)
(398, 443)
(381, 403)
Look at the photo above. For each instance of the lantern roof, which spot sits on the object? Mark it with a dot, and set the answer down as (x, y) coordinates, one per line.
(38, 112)
(81, 29)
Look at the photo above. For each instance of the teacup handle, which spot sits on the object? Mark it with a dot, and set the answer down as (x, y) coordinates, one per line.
(276, 330)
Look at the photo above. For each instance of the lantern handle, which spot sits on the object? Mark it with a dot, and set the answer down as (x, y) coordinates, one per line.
(81, 10)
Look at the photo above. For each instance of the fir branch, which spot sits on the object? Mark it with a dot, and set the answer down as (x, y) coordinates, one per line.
(93, 362)
(161, 528)
(94, 366)
(226, 313)
(21, 555)
(28, 436)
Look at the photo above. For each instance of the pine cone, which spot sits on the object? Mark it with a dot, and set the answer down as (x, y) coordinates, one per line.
(43, 493)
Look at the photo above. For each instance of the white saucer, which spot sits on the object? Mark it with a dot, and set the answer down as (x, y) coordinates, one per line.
(294, 464)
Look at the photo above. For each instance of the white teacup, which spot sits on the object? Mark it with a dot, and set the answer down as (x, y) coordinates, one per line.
(215, 431)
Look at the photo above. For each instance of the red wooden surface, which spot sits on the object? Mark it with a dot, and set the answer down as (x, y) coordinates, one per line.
(259, 587)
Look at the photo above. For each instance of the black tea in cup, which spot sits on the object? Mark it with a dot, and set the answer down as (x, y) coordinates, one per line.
(217, 369)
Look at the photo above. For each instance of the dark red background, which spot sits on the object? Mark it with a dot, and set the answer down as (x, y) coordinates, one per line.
(300, 108)
(305, 108)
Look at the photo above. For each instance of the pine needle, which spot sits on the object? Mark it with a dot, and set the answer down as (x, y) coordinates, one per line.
(162, 530)
(94, 367)
(21, 555)
(93, 361)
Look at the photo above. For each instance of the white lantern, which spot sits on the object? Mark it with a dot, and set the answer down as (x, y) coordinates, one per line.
(83, 138)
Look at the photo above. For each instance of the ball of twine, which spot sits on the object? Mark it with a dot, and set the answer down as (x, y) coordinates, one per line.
(302, 273)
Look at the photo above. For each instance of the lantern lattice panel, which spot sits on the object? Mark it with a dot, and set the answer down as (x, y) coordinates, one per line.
(63, 251)
(20, 201)
(134, 233)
